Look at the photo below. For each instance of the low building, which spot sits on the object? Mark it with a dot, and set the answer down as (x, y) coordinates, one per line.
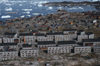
(27, 38)
(58, 50)
(4, 46)
(10, 35)
(61, 36)
(68, 44)
(43, 37)
(83, 49)
(71, 32)
(10, 40)
(91, 42)
(8, 55)
(45, 44)
(28, 51)
(83, 35)
(96, 49)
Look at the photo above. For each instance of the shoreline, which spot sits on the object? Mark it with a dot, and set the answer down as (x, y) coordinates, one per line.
(26, 18)
(65, 3)
(71, 4)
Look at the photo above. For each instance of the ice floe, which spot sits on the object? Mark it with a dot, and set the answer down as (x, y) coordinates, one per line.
(73, 8)
(27, 12)
(27, 9)
(36, 14)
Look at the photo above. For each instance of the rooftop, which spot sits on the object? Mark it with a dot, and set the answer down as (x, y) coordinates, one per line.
(25, 34)
(45, 42)
(91, 40)
(70, 30)
(7, 33)
(89, 33)
(6, 44)
(39, 34)
(66, 42)
(55, 33)
(26, 45)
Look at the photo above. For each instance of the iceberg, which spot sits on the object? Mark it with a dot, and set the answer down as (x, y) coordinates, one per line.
(22, 16)
(5, 16)
(8, 9)
(50, 8)
(36, 14)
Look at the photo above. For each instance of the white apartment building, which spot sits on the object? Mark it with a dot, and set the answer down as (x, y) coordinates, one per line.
(68, 44)
(83, 49)
(8, 45)
(28, 51)
(62, 36)
(96, 49)
(58, 50)
(10, 35)
(9, 40)
(83, 35)
(45, 44)
(91, 42)
(72, 33)
(43, 37)
(8, 55)
(27, 38)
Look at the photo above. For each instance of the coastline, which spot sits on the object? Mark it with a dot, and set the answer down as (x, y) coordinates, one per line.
(65, 3)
